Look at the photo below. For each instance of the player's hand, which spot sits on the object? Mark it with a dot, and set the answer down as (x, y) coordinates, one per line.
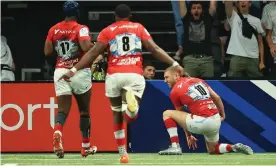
(222, 118)
(67, 76)
(191, 140)
(180, 70)
(93, 44)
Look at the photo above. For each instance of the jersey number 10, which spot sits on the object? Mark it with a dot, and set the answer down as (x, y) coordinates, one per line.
(200, 89)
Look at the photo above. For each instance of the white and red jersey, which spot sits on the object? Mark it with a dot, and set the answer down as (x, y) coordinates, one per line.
(65, 37)
(124, 40)
(193, 93)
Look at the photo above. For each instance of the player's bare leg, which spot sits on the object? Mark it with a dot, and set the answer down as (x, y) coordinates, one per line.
(211, 147)
(123, 107)
(64, 105)
(170, 118)
(83, 101)
(119, 127)
(215, 147)
(130, 105)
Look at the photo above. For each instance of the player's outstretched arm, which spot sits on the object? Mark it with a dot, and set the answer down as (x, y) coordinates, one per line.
(161, 55)
(90, 56)
(157, 52)
(85, 61)
(218, 102)
(86, 45)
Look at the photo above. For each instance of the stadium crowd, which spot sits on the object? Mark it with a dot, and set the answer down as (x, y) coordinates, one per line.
(238, 56)
(214, 47)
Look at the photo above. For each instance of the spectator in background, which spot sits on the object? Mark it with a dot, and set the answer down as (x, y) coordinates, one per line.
(266, 12)
(148, 70)
(256, 9)
(223, 29)
(271, 33)
(98, 68)
(7, 64)
(179, 28)
(220, 35)
(197, 46)
(246, 44)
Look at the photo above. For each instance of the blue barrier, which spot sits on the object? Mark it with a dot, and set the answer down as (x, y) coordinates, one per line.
(250, 117)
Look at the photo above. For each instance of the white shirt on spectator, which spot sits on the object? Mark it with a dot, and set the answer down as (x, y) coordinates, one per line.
(266, 12)
(240, 45)
(271, 24)
(6, 59)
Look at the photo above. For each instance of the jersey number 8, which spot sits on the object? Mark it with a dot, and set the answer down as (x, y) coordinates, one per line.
(125, 41)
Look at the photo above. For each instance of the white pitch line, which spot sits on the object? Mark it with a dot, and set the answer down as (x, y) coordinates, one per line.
(10, 165)
(134, 159)
(136, 154)
(144, 164)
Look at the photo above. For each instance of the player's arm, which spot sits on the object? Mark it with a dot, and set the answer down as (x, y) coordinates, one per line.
(93, 66)
(150, 45)
(91, 55)
(217, 100)
(157, 52)
(86, 45)
(94, 52)
(180, 109)
(85, 39)
(48, 47)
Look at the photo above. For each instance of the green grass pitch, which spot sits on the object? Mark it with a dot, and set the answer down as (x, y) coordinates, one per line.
(139, 159)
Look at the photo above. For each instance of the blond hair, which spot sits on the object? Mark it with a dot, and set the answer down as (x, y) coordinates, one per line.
(173, 70)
